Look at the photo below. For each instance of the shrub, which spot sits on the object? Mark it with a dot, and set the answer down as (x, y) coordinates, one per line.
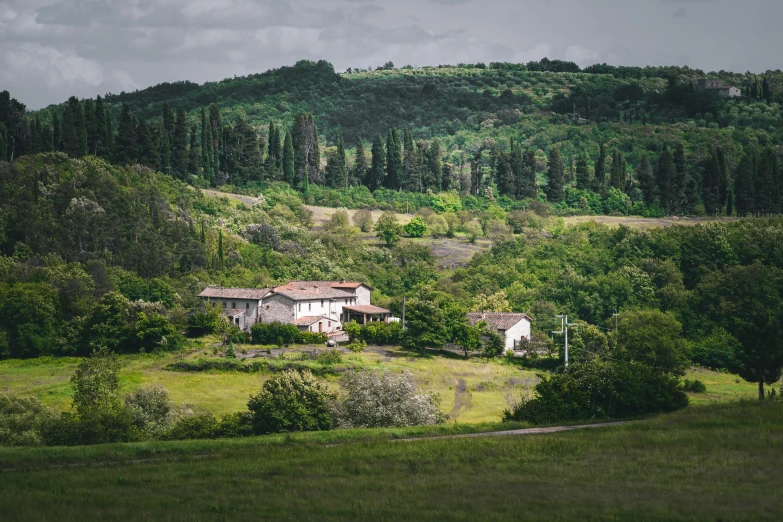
(716, 351)
(382, 399)
(694, 386)
(362, 218)
(388, 229)
(194, 427)
(337, 221)
(274, 333)
(150, 409)
(381, 333)
(473, 230)
(204, 322)
(416, 227)
(21, 420)
(599, 390)
(437, 225)
(330, 357)
(311, 338)
(291, 401)
(357, 346)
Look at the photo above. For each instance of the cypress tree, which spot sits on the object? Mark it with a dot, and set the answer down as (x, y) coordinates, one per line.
(505, 175)
(435, 165)
(220, 254)
(729, 204)
(288, 159)
(765, 183)
(205, 160)
(724, 179)
(81, 129)
(165, 149)
(343, 166)
(582, 172)
(709, 184)
(125, 148)
(517, 167)
(109, 136)
(3, 142)
(680, 181)
(555, 174)
(409, 162)
(70, 135)
(315, 157)
(148, 149)
(599, 180)
(34, 145)
(89, 125)
(99, 129)
(57, 132)
(168, 121)
(378, 165)
(194, 153)
(619, 170)
(664, 179)
(745, 184)
(529, 185)
(359, 173)
(394, 166)
(179, 147)
(646, 180)
(217, 140)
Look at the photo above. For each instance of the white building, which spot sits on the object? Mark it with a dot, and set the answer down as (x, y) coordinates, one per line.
(719, 88)
(315, 306)
(513, 328)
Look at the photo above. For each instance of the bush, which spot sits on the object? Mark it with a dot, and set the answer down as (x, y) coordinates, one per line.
(21, 420)
(381, 333)
(694, 386)
(292, 401)
(357, 346)
(151, 410)
(194, 427)
(600, 390)
(330, 357)
(311, 338)
(363, 219)
(280, 334)
(416, 227)
(338, 220)
(383, 400)
(204, 322)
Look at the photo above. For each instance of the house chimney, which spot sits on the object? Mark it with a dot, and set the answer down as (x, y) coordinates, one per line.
(343, 281)
(483, 314)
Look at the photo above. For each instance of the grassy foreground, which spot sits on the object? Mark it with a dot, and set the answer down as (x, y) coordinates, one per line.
(719, 462)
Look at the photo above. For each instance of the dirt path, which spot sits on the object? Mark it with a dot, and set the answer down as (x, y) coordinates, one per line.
(527, 431)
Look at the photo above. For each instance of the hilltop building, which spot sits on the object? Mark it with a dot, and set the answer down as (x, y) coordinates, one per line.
(718, 87)
(314, 306)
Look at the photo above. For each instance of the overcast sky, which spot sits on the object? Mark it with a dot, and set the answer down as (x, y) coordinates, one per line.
(51, 49)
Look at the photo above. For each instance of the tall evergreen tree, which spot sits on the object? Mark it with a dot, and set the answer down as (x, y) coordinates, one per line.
(646, 180)
(194, 153)
(599, 180)
(165, 149)
(619, 170)
(394, 166)
(217, 139)
(582, 173)
(147, 145)
(288, 161)
(343, 165)
(179, 147)
(435, 165)
(556, 177)
(529, 175)
(359, 172)
(125, 146)
(3, 142)
(765, 183)
(378, 165)
(89, 125)
(709, 184)
(81, 129)
(110, 138)
(664, 180)
(168, 121)
(70, 135)
(504, 173)
(57, 138)
(411, 172)
(99, 129)
(745, 184)
(206, 138)
(724, 179)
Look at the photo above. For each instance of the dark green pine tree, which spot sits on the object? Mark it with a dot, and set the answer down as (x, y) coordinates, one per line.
(288, 161)
(599, 179)
(680, 181)
(34, 143)
(504, 174)
(517, 167)
(724, 179)
(582, 173)
(745, 184)
(766, 91)
(147, 145)
(194, 153)
(435, 166)
(81, 129)
(217, 140)
(766, 201)
(165, 149)
(359, 172)
(168, 122)
(529, 186)
(110, 137)
(378, 165)
(89, 124)
(664, 180)
(709, 184)
(619, 170)
(411, 172)
(3, 142)
(730, 204)
(220, 253)
(556, 177)
(646, 180)
(206, 137)
(99, 129)
(343, 165)
(179, 147)
(125, 151)
(394, 166)
(57, 132)
(70, 135)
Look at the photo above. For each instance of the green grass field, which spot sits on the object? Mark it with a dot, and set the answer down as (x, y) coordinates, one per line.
(472, 391)
(716, 462)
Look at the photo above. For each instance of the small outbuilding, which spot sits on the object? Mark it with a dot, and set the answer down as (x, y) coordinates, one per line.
(513, 328)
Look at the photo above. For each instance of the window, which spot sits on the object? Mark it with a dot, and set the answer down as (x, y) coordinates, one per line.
(267, 307)
(309, 307)
(247, 306)
(300, 307)
(234, 305)
(225, 304)
(346, 301)
(322, 303)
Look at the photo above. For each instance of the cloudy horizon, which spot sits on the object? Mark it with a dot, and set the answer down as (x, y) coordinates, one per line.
(51, 49)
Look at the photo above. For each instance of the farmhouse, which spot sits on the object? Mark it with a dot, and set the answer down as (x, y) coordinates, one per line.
(513, 328)
(314, 306)
(719, 88)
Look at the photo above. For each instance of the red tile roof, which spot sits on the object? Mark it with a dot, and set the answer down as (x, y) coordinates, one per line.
(367, 309)
(310, 319)
(308, 290)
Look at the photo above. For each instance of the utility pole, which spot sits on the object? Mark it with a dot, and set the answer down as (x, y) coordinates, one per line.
(616, 315)
(564, 324)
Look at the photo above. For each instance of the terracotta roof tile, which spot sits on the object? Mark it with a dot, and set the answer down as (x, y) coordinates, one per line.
(367, 309)
(234, 293)
(310, 319)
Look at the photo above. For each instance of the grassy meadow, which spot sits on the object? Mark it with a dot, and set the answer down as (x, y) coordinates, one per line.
(718, 462)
